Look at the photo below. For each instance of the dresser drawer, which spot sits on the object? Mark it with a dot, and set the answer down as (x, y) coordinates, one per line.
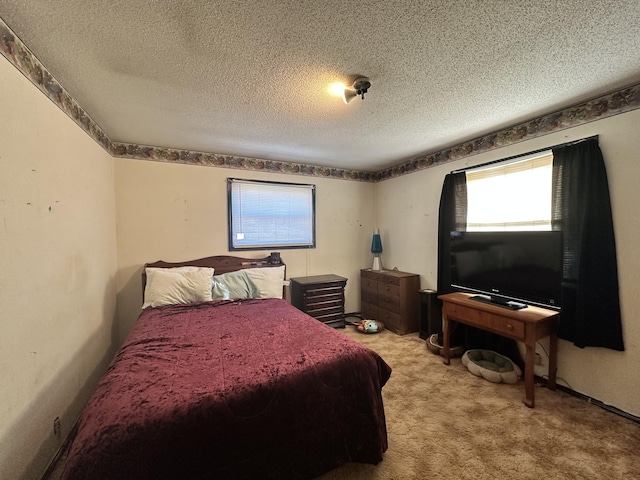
(369, 285)
(391, 320)
(388, 290)
(488, 321)
(390, 303)
(391, 280)
(370, 274)
(368, 296)
(369, 311)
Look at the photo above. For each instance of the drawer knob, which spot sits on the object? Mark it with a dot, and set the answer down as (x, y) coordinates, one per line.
(509, 326)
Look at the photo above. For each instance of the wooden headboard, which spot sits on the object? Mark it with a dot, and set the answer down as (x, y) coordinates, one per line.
(220, 263)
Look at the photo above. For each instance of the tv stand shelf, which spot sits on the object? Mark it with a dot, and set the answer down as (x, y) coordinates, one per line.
(526, 325)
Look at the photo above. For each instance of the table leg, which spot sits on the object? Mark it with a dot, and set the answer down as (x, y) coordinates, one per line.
(553, 360)
(446, 339)
(529, 362)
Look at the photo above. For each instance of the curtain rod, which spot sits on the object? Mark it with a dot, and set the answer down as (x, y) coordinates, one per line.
(566, 144)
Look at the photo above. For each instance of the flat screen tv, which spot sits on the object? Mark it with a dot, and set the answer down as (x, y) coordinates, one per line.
(509, 268)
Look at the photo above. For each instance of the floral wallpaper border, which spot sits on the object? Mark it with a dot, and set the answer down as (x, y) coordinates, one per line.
(26, 62)
(609, 105)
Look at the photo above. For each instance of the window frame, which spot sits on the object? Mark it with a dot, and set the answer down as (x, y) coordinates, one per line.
(502, 169)
(282, 243)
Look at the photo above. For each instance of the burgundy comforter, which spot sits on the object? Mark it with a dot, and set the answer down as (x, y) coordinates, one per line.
(250, 389)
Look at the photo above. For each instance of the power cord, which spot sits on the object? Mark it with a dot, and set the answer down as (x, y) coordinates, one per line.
(355, 315)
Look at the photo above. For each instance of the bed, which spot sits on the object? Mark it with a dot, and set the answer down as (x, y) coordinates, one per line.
(230, 387)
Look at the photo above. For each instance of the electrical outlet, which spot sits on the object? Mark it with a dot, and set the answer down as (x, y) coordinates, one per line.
(56, 426)
(538, 359)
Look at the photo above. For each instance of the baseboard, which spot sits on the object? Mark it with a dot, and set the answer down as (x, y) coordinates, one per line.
(60, 454)
(593, 401)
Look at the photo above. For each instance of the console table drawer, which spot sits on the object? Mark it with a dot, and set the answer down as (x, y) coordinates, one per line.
(488, 321)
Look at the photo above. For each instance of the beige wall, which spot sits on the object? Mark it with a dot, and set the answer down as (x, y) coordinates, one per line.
(179, 212)
(77, 226)
(408, 217)
(57, 272)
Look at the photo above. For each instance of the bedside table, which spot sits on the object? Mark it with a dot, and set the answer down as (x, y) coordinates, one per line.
(321, 296)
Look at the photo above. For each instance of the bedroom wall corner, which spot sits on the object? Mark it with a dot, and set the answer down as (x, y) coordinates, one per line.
(57, 273)
(408, 218)
(176, 212)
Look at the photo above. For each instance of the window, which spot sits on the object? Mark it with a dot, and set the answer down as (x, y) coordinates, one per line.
(265, 215)
(511, 196)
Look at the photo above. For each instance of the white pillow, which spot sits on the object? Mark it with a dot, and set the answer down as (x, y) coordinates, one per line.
(169, 286)
(269, 280)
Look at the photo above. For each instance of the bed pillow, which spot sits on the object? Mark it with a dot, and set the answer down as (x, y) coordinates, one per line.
(234, 285)
(180, 285)
(269, 280)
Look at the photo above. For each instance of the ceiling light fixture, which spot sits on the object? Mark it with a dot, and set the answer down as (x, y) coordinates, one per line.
(360, 86)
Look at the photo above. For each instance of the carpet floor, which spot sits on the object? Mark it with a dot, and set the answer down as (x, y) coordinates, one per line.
(445, 423)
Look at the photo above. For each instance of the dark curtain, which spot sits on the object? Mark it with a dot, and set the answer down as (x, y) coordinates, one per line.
(582, 211)
(452, 215)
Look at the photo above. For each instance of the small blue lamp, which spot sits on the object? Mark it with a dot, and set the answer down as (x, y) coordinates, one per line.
(376, 249)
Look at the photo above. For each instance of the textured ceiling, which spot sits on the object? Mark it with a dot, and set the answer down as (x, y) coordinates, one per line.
(251, 78)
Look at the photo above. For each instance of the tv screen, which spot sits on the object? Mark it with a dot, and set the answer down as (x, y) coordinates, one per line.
(523, 267)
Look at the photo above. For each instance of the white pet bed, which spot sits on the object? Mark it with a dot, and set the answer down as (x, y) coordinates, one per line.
(491, 366)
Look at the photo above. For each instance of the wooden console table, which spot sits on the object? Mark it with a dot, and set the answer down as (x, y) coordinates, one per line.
(527, 325)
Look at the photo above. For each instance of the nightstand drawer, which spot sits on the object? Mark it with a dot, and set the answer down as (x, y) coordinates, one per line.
(317, 303)
(320, 296)
(323, 295)
(324, 290)
(328, 317)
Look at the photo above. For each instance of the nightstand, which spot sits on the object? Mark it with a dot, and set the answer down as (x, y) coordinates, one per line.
(321, 296)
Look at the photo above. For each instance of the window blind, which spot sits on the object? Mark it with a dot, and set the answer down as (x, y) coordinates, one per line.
(265, 215)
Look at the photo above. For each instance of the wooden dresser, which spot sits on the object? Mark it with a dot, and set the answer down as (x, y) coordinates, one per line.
(321, 296)
(391, 297)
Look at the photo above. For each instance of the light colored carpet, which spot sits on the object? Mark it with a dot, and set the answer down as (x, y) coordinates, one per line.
(445, 423)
